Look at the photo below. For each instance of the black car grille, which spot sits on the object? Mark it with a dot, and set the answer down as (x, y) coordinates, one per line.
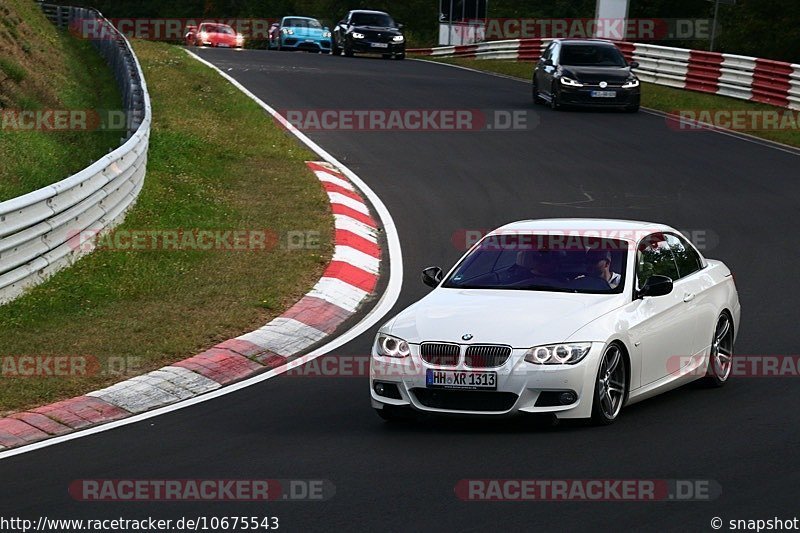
(486, 355)
(465, 400)
(440, 354)
(377, 36)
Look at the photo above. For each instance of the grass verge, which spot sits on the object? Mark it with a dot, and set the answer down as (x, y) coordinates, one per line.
(659, 97)
(42, 68)
(216, 162)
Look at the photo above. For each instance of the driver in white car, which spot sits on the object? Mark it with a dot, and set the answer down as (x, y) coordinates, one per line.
(598, 265)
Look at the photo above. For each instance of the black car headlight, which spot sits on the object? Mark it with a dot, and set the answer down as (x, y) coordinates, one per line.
(569, 82)
(567, 353)
(357, 35)
(398, 39)
(630, 84)
(389, 346)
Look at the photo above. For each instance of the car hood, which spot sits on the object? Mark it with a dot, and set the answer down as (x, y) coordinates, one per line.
(390, 31)
(307, 32)
(515, 317)
(597, 74)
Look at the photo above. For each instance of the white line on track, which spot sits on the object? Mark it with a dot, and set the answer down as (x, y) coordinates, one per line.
(384, 305)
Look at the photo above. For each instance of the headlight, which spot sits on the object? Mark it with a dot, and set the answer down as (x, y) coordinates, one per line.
(287, 31)
(357, 35)
(392, 346)
(570, 82)
(398, 38)
(239, 37)
(558, 354)
(630, 84)
(326, 34)
(203, 36)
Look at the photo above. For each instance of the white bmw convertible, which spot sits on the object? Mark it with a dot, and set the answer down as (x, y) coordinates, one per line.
(573, 317)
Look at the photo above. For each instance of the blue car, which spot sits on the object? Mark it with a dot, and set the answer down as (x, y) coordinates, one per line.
(300, 33)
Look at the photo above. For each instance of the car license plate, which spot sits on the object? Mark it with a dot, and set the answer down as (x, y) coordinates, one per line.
(604, 94)
(380, 45)
(223, 45)
(458, 379)
(309, 40)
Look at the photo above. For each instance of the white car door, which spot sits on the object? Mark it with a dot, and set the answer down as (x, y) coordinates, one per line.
(661, 327)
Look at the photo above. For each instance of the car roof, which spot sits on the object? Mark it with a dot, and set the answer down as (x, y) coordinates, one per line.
(302, 18)
(578, 41)
(369, 11)
(604, 227)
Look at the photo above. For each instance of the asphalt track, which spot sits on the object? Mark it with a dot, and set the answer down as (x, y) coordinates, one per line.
(744, 436)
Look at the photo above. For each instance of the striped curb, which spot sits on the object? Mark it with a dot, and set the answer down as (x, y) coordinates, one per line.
(349, 280)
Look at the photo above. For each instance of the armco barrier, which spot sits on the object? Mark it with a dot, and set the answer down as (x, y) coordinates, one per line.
(35, 229)
(745, 78)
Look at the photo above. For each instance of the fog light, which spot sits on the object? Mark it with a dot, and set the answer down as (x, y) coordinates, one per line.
(387, 390)
(567, 398)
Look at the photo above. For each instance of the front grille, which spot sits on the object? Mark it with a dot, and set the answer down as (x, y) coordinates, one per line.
(486, 355)
(439, 354)
(377, 36)
(453, 400)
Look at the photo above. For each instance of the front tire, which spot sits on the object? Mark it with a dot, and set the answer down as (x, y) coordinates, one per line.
(537, 100)
(348, 50)
(610, 386)
(720, 358)
(555, 105)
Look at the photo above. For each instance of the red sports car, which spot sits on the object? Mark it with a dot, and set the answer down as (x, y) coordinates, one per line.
(220, 35)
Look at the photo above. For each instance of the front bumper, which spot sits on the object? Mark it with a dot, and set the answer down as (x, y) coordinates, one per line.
(582, 96)
(365, 46)
(300, 43)
(521, 386)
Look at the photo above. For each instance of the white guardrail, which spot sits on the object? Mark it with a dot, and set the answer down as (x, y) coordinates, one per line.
(40, 231)
(746, 78)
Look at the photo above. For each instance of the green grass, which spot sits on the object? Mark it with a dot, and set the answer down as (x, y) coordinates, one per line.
(659, 97)
(216, 161)
(42, 68)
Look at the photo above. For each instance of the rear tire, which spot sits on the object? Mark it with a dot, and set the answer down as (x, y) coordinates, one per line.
(610, 386)
(720, 358)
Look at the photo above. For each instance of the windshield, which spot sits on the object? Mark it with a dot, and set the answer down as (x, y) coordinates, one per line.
(302, 23)
(227, 30)
(372, 19)
(561, 263)
(583, 55)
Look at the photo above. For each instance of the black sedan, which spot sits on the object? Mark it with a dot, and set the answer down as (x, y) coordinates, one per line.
(369, 32)
(585, 73)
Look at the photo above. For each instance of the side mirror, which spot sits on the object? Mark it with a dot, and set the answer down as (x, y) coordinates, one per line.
(432, 276)
(325, 28)
(633, 64)
(547, 62)
(656, 286)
